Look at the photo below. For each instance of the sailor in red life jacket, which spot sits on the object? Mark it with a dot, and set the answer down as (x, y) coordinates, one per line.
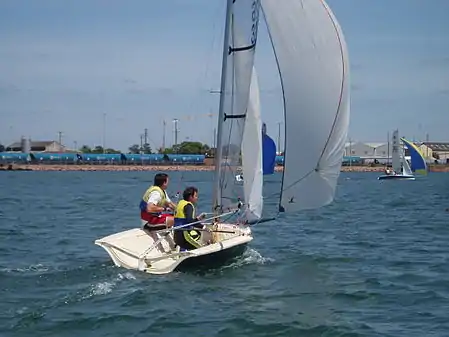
(154, 203)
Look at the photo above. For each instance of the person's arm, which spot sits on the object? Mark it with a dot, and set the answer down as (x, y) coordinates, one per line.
(153, 200)
(169, 203)
(188, 211)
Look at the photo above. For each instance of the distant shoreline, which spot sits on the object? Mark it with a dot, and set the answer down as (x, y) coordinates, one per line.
(198, 168)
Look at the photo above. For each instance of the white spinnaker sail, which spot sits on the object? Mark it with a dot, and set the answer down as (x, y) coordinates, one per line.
(313, 64)
(240, 60)
(252, 154)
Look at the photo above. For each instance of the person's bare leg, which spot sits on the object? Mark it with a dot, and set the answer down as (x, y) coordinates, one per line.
(169, 221)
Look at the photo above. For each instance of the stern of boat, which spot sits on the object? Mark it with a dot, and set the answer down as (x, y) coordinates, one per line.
(127, 248)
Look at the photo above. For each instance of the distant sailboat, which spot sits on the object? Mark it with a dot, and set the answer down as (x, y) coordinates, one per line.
(401, 169)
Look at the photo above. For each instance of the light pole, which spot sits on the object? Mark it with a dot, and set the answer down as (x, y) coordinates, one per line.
(104, 132)
(176, 130)
(163, 136)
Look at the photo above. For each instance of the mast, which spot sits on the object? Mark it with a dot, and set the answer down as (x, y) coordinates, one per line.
(350, 152)
(218, 150)
(388, 149)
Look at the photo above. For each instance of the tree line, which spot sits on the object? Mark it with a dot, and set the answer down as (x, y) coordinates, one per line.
(183, 148)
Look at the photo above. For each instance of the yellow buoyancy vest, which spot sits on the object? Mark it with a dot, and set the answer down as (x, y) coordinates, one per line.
(179, 212)
(146, 196)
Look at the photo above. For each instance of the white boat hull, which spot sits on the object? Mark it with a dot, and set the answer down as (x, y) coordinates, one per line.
(129, 249)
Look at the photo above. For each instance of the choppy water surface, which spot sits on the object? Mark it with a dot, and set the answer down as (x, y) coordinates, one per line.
(374, 263)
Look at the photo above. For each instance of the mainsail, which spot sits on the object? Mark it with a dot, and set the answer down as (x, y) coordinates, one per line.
(313, 64)
(238, 58)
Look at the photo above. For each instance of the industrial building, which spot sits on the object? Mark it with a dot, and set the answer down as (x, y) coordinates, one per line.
(27, 146)
(435, 150)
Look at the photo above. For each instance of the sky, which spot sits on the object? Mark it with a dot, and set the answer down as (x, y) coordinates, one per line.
(108, 69)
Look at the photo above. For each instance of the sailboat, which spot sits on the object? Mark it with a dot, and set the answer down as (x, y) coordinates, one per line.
(312, 61)
(401, 169)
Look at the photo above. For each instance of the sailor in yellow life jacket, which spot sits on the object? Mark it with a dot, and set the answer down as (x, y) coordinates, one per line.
(188, 237)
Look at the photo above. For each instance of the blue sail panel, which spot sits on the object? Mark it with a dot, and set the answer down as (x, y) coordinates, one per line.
(268, 154)
(418, 162)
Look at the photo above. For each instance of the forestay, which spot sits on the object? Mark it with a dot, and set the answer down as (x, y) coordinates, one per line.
(240, 43)
(313, 64)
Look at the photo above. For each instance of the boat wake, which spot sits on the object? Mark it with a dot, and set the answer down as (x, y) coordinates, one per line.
(105, 287)
(249, 257)
(36, 268)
